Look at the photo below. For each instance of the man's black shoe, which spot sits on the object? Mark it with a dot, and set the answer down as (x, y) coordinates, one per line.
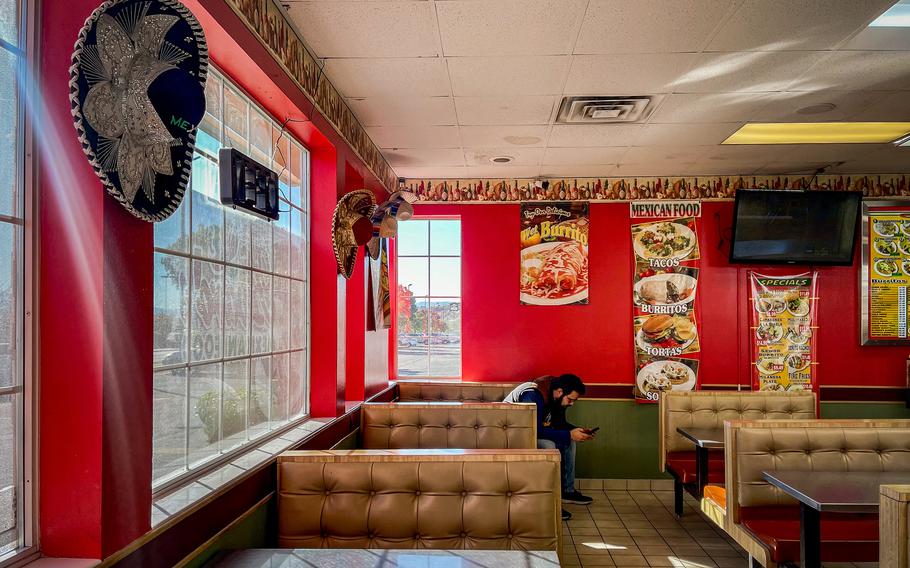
(577, 498)
(566, 515)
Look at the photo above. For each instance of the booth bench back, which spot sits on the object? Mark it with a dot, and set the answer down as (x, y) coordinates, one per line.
(438, 391)
(448, 425)
(824, 445)
(472, 499)
(709, 409)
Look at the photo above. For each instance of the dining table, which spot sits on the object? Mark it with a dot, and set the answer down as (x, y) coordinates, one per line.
(379, 558)
(705, 439)
(830, 492)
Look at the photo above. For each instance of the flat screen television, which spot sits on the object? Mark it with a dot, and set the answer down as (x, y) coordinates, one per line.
(794, 227)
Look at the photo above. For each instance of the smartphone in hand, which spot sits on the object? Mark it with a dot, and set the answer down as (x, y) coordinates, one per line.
(592, 431)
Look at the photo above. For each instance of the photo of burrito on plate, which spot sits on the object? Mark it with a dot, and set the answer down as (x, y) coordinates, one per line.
(668, 289)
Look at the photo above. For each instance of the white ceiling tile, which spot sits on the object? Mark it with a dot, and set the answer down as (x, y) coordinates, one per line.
(744, 153)
(573, 170)
(888, 159)
(525, 75)
(773, 25)
(706, 168)
(783, 106)
(509, 27)
(662, 168)
(880, 39)
(745, 71)
(649, 26)
(581, 135)
(678, 153)
(424, 157)
(367, 29)
(824, 152)
(406, 77)
(858, 70)
(695, 134)
(796, 167)
(404, 111)
(433, 172)
(503, 136)
(505, 171)
(505, 110)
(521, 156)
(708, 107)
(414, 136)
(637, 74)
(893, 107)
(583, 156)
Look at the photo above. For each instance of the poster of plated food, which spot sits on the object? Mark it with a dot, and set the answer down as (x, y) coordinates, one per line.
(554, 253)
(886, 273)
(664, 289)
(783, 331)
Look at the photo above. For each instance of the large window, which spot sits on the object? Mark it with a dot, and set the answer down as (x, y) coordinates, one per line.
(429, 298)
(13, 496)
(231, 317)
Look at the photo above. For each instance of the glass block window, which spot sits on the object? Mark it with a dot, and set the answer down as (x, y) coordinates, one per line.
(231, 297)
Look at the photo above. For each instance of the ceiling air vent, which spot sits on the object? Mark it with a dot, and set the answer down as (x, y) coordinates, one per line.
(596, 110)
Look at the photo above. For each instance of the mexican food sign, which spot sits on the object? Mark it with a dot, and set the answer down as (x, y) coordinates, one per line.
(664, 289)
(554, 253)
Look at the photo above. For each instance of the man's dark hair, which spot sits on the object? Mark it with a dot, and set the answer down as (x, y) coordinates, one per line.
(568, 383)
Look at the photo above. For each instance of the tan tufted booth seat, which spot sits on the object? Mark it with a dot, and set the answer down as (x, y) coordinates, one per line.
(452, 391)
(448, 425)
(470, 499)
(765, 521)
(894, 520)
(709, 409)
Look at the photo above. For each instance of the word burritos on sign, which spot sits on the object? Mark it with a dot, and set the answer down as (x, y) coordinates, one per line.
(653, 209)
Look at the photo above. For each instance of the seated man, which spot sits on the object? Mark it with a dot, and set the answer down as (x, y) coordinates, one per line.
(553, 395)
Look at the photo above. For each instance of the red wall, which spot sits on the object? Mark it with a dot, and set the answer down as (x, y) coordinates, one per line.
(503, 340)
(94, 278)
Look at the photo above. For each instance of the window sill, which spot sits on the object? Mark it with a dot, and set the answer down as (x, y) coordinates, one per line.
(202, 488)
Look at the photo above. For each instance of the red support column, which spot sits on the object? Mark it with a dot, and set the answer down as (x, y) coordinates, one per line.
(94, 322)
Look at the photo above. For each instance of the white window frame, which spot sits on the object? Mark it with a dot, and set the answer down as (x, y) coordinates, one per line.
(26, 488)
(192, 472)
(429, 297)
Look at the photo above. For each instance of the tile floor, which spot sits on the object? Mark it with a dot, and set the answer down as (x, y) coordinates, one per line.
(631, 529)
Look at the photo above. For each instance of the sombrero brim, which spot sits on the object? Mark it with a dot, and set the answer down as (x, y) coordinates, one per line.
(352, 206)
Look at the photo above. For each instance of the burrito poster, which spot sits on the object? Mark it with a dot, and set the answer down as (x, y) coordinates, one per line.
(554, 253)
(783, 318)
(664, 289)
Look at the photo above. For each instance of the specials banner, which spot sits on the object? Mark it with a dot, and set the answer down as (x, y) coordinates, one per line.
(664, 286)
(783, 331)
(554, 253)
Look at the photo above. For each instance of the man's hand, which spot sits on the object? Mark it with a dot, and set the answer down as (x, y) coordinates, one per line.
(580, 435)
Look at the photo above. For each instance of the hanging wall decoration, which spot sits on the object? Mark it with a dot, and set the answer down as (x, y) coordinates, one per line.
(137, 91)
(664, 285)
(351, 227)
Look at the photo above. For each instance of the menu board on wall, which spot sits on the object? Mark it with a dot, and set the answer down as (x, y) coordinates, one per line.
(554, 253)
(885, 273)
(664, 286)
(783, 318)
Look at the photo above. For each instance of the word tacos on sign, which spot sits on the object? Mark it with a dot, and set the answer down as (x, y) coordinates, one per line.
(554, 253)
(664, 287)
(783, 331)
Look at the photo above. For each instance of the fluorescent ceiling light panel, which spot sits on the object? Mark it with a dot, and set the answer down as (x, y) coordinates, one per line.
(819, 133)
(897, 16)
